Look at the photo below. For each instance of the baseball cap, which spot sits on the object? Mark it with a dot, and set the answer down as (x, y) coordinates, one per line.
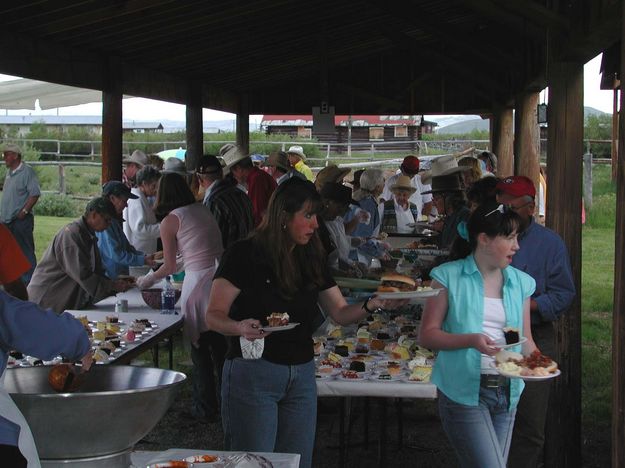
(117, 188)
(517, 186)
(410, 165)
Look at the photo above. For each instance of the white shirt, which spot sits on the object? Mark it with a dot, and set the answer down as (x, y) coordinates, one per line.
(416, 197)
(494, 321)
(336, 228)
(140, 225)
(402, 215)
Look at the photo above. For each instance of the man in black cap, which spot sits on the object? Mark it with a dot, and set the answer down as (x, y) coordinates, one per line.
(116, 251)
(230, 206)
(70, 274)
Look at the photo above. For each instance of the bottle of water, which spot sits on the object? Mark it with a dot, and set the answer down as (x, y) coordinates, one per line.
(168, 298)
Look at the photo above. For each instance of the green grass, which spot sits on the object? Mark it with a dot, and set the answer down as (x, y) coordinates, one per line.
(45, 229)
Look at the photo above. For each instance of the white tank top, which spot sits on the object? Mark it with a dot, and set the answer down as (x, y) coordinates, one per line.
(494, 321)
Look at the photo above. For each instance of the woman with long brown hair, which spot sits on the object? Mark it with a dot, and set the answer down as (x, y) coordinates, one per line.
(268, 393)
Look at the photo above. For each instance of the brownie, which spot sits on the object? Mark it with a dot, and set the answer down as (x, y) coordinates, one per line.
(357, 366)
(341, 350)
(511, 335)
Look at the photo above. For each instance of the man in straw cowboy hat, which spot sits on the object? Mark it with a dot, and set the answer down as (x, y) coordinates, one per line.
(331, 173)
(410, 168)
(279, 167)
(399, 212)
(133, 164)
(297, 158)
(259, 185)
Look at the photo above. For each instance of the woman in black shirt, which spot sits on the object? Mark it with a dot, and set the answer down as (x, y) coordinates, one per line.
(269, 394)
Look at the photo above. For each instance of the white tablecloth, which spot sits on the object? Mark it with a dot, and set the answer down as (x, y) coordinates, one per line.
(142, 459)
(341, 388)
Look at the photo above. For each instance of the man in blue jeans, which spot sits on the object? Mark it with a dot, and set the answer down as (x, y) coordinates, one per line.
(544, 257)
(20, 193)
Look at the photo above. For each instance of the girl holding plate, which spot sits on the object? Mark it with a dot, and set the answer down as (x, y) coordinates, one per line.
(269, 397)
(480, 294)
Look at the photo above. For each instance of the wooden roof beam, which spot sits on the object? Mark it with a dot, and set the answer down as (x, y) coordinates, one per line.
(491, 10)
(536, 13)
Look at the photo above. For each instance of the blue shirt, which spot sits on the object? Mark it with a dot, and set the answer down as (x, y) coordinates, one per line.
(19, 186)
(116, 252)
(457, 371)
(31, 330)
(364, 230)
(543, 256)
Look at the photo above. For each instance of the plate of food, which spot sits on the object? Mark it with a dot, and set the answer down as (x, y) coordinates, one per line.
(288, 326)
(398, 286)
(352, 376)
(510, 345)
(205, 459)
(535, 366)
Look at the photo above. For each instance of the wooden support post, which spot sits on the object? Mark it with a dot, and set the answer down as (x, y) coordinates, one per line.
(564, 200)
(112, 126)
(527, 137)
(615, 133)
(618, 315)
(194, 127)
(243, 123)
(502, 138)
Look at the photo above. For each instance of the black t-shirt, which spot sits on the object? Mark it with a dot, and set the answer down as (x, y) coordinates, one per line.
(247, 268)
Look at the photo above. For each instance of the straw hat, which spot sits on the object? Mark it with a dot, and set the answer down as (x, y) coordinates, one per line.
(137, 157)
(403, 183)
(445, 165)
(331, 173)
(232, 156)
(11, 149)
(297, 150)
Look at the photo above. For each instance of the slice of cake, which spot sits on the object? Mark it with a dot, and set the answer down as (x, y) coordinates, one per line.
(277, 319)
(511, 335)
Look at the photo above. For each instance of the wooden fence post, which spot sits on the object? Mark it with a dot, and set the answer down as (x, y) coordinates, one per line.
(62, 184)
(588, 180)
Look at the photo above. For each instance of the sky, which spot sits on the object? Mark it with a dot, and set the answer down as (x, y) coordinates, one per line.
(148, 109)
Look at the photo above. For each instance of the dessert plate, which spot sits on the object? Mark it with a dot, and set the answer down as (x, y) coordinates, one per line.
(288, 326)
(506, 346)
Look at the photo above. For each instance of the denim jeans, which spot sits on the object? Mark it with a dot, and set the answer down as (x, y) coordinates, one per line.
(479, 434)
(267, 407)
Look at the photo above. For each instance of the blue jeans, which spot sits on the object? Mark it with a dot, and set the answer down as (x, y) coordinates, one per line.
(267, 407)
(479, 434)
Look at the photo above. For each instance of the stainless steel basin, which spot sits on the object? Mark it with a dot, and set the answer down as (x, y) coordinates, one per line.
(115, 407)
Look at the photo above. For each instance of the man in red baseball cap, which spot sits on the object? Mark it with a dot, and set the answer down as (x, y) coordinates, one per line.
(410, 168)
(518, 192)
(542, 254)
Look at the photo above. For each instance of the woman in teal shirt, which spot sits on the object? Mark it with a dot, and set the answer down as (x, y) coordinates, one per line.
(480, 295)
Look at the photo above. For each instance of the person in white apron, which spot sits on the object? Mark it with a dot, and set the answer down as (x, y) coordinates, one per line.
(27, 328)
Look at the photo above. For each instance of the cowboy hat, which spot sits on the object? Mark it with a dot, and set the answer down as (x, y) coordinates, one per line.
(137, 157)
(445, 183)
(445, 165)
(232, 156)
(297, 150)
(403, 183)
(331, 173)
(175, 165)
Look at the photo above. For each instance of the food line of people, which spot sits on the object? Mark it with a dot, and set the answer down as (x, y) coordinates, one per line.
(298, 228)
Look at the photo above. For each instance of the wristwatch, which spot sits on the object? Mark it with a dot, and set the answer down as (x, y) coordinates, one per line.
(25, 211)
(369, 311)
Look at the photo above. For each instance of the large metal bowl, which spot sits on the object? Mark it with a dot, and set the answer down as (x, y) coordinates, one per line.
(115, 407)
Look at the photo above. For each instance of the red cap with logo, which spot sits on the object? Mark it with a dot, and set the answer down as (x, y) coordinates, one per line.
(410, 165)
(517, 186)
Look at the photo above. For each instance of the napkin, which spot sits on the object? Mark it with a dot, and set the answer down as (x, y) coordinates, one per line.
(252, 349)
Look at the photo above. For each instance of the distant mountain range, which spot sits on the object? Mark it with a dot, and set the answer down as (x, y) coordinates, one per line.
(461, 124)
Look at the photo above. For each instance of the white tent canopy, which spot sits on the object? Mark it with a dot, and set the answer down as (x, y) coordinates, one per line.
(23, 94)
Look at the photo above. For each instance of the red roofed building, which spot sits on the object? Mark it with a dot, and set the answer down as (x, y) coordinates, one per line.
(373, 128)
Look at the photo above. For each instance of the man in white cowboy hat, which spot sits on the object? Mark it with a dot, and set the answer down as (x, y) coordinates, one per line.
(410, 168)
(445, 165)
(133, 164)
(21, 192)
(399, 214)
(258, 183)
(297, 158)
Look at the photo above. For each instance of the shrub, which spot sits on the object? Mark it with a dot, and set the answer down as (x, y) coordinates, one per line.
(57, 205)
